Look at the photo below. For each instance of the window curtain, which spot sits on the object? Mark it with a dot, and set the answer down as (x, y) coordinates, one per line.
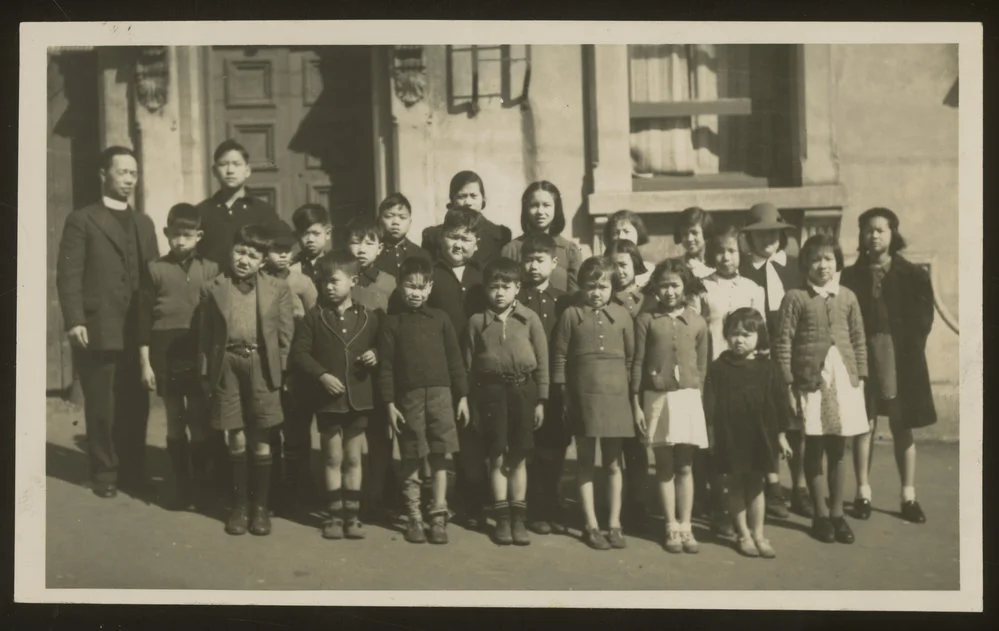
(690, 145)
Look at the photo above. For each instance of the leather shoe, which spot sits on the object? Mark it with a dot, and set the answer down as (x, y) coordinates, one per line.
(862, 508)
(823, 530)
(260, 525)
(843, 532)
(912, 512)
(106, 491)
(238, 521)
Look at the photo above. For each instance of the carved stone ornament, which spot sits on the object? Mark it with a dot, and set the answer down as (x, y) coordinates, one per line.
(152, 78)
(409, 74)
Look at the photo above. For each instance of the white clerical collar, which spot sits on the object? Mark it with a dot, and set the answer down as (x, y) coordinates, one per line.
(115, 204)
(780, 258)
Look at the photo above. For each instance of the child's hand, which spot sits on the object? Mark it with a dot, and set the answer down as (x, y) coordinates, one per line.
(369, 359)
(463, 416)
(148, 377)
(395, 419)
(640, 421)
(333, 385)
(539, 415)
(785, 448)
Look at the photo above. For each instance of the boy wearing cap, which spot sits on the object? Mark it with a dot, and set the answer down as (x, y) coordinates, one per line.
(295, 429)
(771, 267)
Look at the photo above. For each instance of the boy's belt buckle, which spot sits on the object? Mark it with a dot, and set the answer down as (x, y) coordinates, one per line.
(243, 350)
(514, 379)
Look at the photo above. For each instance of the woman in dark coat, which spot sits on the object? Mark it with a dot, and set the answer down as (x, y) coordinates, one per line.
(896, 299)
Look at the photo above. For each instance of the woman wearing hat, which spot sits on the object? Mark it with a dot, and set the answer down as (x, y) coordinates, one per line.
(770, 266)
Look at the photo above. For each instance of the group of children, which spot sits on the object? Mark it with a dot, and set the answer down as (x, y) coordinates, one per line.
(502, 351)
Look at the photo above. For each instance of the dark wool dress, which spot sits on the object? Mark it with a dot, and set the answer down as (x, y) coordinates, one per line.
(745, 405)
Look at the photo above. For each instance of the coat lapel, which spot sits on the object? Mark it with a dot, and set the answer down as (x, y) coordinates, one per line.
(110, 227)
(265, 296)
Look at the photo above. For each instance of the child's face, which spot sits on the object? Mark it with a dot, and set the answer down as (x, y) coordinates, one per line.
(246, 260)
(458, 246)
(624, 229)
(625, 277)
(764, 242)
(669, 289)
(742, 342)
(541, 210)
(366, 249)
(597, 292)
(278, 259)
(469, 196)
(416, 289)
(395, 222)
(501, 294)
(232, 170)
(727, 257)
(822, 266)
(693, 241)
(876, 235)
(315, 238)
(538, 267)
(182, 241)
(338, 286)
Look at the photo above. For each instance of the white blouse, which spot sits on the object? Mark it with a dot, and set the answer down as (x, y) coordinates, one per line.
(721, 297)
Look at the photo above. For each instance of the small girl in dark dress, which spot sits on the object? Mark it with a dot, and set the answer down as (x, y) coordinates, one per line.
(745, 405)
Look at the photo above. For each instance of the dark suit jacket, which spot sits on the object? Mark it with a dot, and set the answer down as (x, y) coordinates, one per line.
(275, 327)
(319, 348)
(492, 238)
(790, 275)
(220, 224)
(92, 274)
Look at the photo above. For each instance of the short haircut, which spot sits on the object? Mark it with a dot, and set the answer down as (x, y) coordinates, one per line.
(282, 236)
(814, 245)
(463, 178)
(558, 221)
(626, 246)
(593, 269)
(108, 155)
(751, 321)
(229, 145)
(897, 242)
(393, 200)
(183, 216)
(690, 217)
(461, 219)
(362, 227)
(308, 215)
(337, 260)
(415, 266)
(501, 269)
(538, 242)
(677, 266)
(630, 217)
(718, 237)
(255, 236)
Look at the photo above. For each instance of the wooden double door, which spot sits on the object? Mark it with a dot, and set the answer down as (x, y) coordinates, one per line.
(311, 119)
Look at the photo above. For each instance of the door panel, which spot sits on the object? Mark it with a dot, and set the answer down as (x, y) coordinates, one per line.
(305, 116)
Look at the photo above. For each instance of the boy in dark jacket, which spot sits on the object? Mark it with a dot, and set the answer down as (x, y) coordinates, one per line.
(334, 348)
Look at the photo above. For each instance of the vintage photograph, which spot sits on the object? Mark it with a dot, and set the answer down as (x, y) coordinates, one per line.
(661, 313)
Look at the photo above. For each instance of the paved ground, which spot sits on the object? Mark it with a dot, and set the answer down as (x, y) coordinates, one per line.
(125, 543)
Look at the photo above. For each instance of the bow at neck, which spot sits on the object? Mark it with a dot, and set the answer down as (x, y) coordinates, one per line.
(780, 258)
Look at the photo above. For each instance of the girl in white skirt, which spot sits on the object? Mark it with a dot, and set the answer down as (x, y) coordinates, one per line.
(671, 359)
(822, 353)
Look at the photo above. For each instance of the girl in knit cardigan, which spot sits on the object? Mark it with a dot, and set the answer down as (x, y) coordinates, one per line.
(822, 353)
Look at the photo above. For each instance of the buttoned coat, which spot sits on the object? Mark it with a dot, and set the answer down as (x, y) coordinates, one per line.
(908, 295)
(92, 274)
(275, 327)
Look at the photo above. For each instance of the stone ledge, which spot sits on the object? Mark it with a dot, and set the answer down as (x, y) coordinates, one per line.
(827, 196)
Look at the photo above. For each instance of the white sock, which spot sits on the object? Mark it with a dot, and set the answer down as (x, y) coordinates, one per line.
(864, 492)
(908, 493)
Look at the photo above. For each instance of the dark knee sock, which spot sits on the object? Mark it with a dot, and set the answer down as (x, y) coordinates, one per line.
(180, 462)
(334, 502)
(351, 504)
(262, 480)
(240, 479)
